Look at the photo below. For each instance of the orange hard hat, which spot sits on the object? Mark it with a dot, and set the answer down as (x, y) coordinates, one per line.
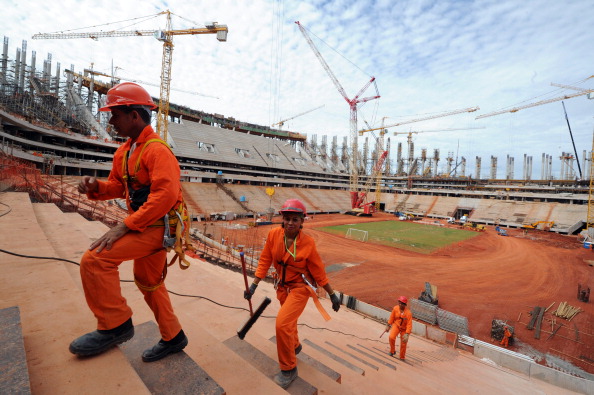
(403, 299)
(293, 206)
(127, 94)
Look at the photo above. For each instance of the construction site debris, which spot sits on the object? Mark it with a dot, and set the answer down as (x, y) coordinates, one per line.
(498, 329)
(566, 311)
(429, 295)
(555, 331)
(583, 293)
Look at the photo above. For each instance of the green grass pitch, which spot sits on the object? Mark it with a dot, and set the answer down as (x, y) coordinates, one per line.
(406, 235)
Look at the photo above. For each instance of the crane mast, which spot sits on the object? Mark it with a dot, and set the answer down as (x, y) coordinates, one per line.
(354, 172)
(166, 36)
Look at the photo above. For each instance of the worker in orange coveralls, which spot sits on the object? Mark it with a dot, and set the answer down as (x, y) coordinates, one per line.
(298, 268)
(506, 335)
(146, 173)
(400, 322)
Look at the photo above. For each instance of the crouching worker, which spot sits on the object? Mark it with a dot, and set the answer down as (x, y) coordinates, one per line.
(146, 173)
(298, 269)
(400, 322)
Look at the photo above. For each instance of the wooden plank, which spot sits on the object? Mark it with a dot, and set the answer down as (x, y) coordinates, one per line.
(538, 324)
(175, 374)
(534, 313)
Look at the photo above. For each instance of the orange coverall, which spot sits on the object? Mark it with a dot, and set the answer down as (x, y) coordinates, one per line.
(143, 243)
(293, 296)
(506, 335)
(401, 322)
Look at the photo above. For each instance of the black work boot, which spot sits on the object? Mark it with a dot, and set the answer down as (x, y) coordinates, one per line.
(164, 348)
(284, 378)
(102, 340)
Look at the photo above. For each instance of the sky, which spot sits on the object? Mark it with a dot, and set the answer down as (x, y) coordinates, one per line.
(427, 57)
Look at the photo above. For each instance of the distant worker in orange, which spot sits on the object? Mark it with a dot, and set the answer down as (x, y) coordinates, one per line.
(145, 173)
(299, 269)
(400, 322)
(506, 335)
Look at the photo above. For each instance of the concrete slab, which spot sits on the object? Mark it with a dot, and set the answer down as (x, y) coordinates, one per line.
(176, 374)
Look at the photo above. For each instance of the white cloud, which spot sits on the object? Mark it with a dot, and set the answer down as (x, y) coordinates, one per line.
(427, 57)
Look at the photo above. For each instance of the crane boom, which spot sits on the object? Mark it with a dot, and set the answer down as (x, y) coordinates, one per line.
(470, 109)
(166, 36)
(281, 123)
(538, 103)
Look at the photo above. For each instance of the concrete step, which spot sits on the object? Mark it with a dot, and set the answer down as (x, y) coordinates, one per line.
(302, 356)
(92, 229)
(13, 360)
(176, 374)
(308, 372)
(335, 357)
(266, 365)
(53, 312)
(221, 363)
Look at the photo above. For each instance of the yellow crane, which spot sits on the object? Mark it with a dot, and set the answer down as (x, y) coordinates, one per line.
(166, 36)
(581, 92)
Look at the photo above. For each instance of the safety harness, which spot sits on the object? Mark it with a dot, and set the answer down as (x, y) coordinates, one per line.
(308, 280)
(175, 235)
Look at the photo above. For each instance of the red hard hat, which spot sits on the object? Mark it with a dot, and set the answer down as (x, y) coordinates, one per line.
(403, 299)
(127, 94)
(293, 206)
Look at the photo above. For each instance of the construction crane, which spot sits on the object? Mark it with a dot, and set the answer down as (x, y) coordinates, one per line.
(354, 172)
(434, 116)
(281, 123)
(166, 36)
(581, 92)
(117, 78)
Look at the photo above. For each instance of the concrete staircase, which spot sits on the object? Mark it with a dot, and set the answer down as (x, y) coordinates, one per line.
(342, 356)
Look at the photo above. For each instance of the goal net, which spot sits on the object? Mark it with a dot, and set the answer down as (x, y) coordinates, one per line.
(357, 234)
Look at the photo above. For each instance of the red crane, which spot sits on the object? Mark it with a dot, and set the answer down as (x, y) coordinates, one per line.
(354, 174)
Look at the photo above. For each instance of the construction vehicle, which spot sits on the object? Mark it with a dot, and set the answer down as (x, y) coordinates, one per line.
(547, 225)
(166, 36)
(474, 226)
(500, 231)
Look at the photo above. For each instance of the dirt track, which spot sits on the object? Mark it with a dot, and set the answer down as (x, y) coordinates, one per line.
(488, 277)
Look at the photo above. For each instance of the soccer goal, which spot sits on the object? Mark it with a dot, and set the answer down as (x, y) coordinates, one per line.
(357, 234)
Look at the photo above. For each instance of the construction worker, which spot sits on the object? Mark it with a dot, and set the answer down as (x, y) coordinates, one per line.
(400, 322)
(299, 269)
(146, 173)
(506, 335)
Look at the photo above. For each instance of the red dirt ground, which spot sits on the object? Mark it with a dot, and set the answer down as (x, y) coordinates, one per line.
(484, 278)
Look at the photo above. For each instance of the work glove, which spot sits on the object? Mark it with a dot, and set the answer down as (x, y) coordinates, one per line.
(335, 302)
(405, 338)
(248, 294)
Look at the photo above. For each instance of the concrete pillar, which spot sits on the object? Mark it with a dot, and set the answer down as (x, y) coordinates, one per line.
(17, 68)
(4, 64)
(57, 86)
(23, 66)
(493, 167)
(477, 174)
(550, 167)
